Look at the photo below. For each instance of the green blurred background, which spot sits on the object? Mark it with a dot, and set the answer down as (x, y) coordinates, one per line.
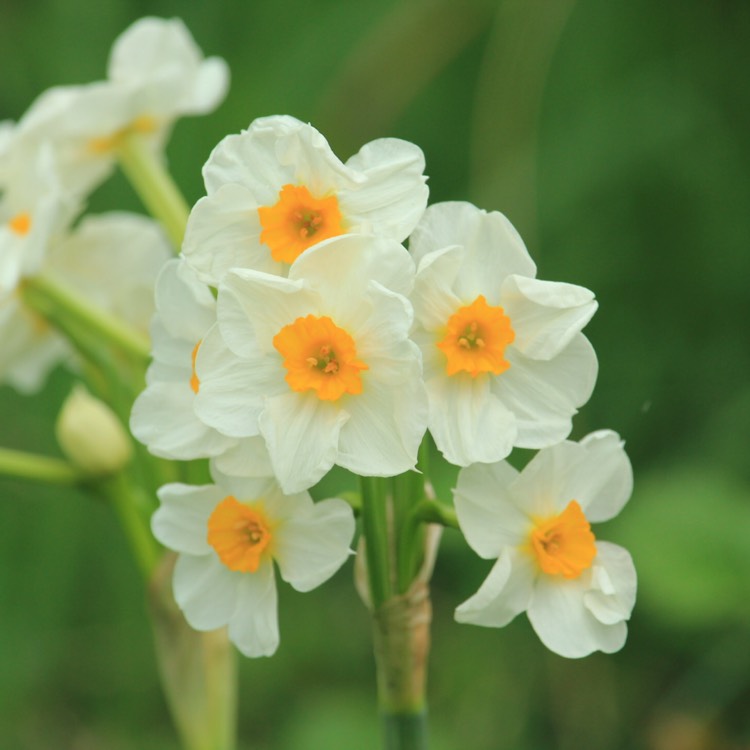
(614, 135)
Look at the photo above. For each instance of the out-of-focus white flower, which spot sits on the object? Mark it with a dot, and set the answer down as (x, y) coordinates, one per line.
(277, 188)
(91, 436)
(505, 363)
(34, 210)
(229, 535)
(112, 261)
(319, 363)
(156, 73)
(578, 592)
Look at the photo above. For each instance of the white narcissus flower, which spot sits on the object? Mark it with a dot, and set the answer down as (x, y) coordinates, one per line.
(34, 211)
(577, 591)
(229, 535)
(163, 417)
(319, 364)
(111, 261)
(277, 188)
(156, 73)
(505, 363)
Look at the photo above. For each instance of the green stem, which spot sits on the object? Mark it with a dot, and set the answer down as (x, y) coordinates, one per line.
(49, 298)
(405, 731)
(22, 465)
(142, 544)
(155, 186)
(431, 511)
(375, 532)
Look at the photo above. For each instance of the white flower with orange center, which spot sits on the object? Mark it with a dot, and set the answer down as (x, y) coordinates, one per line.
(577, 591)
(34, 210)
(230, 534)
(155, 74)
(277, 189)
(112, 261)
(505, 363)
(320, 363)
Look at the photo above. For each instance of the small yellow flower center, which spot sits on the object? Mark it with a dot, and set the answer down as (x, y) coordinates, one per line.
(239, 533)
(20, 223)
(475, 339)
(105, 144)
(195, 382)
(564, 545)
(319, 356)
(297, 221)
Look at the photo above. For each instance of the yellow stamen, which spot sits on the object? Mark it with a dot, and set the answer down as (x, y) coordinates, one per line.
(564, 544)
(475, 339)
(297, 221)
(20, 223)
(319, 356)
(195, 382)
(239, 533)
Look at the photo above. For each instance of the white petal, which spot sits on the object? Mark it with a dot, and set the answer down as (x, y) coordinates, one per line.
(433, 297)
(544, 395)
(563, 622)
(248, 457)
(223, 232)
(469, 423)
(231, 392)
(163, 419)
(254, 627)
(493, 248)
(602, 480)
(254, 307)
(504, 594)
(394, 195)
(541, 488)
(545, 315)
(205, 590)
(180, 523)
(486, 512)
(302, 435)
(611, 597)
(185, 306)
(342, 267)
(388, 419)
(312, 546)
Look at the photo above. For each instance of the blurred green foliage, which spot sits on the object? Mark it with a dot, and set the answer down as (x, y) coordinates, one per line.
(615, 136)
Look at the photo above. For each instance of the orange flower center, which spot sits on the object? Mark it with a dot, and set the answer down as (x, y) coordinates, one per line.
(20, 223)
(239, 533)
(297, 221)
(564, 545)
(319, 356)
(195, 382)
(143, 124)
(475, 339)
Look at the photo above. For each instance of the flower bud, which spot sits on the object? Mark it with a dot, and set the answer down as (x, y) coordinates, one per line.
(90, 434)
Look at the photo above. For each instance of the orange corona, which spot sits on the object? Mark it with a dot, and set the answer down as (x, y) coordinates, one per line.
(564, 545)
(20, 223)
(297, 221)
(319, 356)
(240, 534)
(195, 382)
(475, 339)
